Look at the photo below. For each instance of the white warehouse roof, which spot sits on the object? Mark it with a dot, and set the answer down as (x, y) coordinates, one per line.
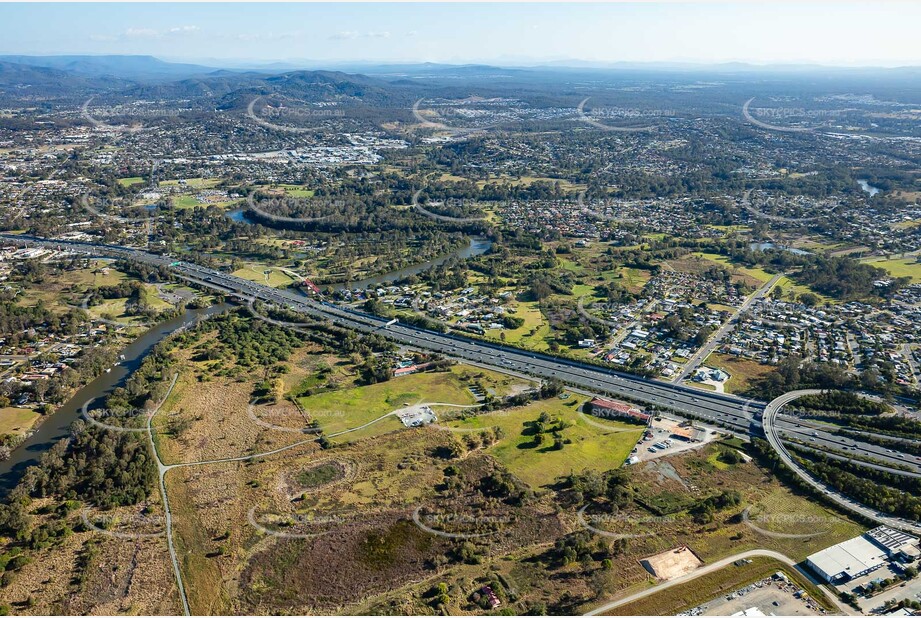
(850, 559)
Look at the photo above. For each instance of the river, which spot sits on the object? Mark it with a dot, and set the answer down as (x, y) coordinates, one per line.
(477, 246)
(866, 187)
(57, 425)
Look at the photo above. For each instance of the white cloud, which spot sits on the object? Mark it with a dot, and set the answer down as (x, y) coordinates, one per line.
(141, 33)
(345, 35)
(350, 35)
(184, 29)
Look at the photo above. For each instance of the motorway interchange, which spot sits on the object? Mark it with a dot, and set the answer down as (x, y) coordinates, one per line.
(735, 414)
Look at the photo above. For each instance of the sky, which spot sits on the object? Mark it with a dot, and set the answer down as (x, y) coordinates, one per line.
(840, 33)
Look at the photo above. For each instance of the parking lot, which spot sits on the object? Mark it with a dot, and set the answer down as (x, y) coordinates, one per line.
(767, 597)
(661, 439)
(905, 590)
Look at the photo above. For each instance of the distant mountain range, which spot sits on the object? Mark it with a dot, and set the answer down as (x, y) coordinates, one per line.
(132, 68)
(151, 78)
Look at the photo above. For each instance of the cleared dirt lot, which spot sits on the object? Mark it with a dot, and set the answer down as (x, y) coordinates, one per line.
(672, 563)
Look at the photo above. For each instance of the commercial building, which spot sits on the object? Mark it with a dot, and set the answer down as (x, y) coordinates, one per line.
(863, 554)
(605, 408)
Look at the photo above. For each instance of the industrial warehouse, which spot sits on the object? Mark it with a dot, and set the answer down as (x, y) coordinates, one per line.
(864, 554)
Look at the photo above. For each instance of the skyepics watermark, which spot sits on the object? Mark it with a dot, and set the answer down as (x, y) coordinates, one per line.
(299, 525)
(104, 209)
(616, 525)
(450, 209)
(782, 525)
(128, 420)
(270, 417)
(125, 525)
(285, 204)
(423, 113)
(276, 118)
(134, 113)
(453, 524)
(602, 118)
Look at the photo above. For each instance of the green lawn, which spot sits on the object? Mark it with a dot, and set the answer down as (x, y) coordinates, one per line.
(757, 273)
(17, 420)
(591, 447)
(132, 180)
(257, 272)
(186, 201)
(788, 285)
(294, 190)
(348, 408)
(907, 267)
(533, 321)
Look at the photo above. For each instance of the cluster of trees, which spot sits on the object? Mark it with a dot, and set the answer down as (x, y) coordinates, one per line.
(682, 326)
(793, 373)
(839, 277)
(705, 509)
(613, 487)
(845, 278)
(252, 343)
(585, 547)
(843, 402)
(886, 491)
(548, 428)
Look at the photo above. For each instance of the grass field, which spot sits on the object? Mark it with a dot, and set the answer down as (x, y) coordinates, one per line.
(257, 272)
(353, 407)
(784, 512)
(532, 333)
(788, 285)
(741, 371)
(707, 587)
(906, 267)
(186, 201)
(753, 275)
(131, 180)
(591, 447)
(17, 421)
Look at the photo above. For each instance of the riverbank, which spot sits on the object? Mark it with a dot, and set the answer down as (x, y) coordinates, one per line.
(57, 425)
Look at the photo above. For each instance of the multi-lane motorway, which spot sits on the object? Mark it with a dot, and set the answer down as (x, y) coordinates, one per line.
(771, 431)
(734, 413)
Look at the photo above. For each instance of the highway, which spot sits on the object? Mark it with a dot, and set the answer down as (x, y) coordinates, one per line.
(733, 411)
(771, 431)
(736, 414)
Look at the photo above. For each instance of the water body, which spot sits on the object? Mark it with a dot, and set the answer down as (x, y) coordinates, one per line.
(238, 215)
(57, 425)
(764, 246)
(477, 246)
(868, 188)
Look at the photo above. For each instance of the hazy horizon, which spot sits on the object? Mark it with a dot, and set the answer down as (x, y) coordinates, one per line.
(854, 34)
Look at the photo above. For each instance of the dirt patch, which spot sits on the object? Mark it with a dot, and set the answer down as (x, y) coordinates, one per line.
(672, 563)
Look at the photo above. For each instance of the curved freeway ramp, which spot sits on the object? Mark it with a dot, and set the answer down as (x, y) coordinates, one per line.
(773, 437)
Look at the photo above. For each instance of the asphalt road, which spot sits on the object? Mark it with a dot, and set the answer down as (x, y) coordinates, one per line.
(714, 407)
(772, 433)
(739, 415)
(716, 566)
(717, 337)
